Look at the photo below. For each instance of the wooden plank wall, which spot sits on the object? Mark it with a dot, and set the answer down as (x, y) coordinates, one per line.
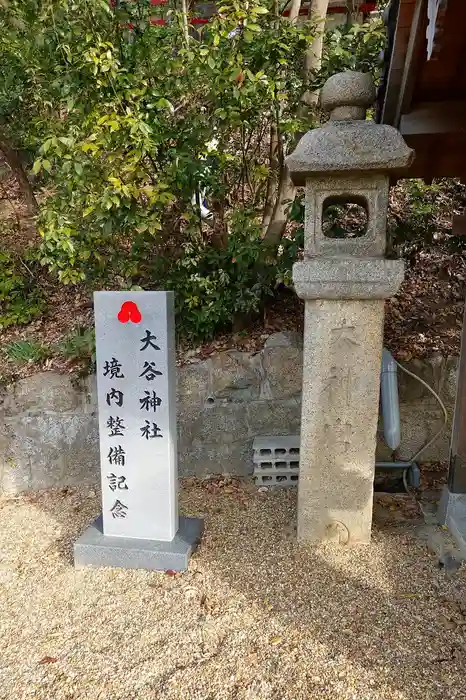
(444, 76)
(400, 47)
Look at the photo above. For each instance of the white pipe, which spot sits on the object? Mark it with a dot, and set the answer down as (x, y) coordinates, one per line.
(390, 402)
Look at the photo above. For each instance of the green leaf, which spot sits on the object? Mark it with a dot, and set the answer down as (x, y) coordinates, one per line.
(163, 103)
(78, 168)
(105, 6)
(36, 168)
(47, 165)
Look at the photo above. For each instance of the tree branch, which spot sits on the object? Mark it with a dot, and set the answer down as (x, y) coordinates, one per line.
(184, 15)
(294, 11)
(271, 179)
(14, 162)
(312, 63)
(313, 57)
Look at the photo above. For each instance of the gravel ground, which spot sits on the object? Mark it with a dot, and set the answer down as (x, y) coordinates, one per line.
(255, 617)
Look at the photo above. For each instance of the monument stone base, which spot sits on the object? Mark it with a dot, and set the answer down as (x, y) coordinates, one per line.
(95, 549)
(452, 513)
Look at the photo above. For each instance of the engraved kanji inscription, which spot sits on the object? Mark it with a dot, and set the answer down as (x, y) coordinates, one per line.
(338, 385)
(115, 396)
(117, 482)
(331, 383)
(344, 335)
(148, 341)
(339, 432)
(150, 401)
(346, 384)
(347, 434)
(112, 369)
(117, 455)
(150, 371)
(119, 510)
(150, 430)
(116, 426)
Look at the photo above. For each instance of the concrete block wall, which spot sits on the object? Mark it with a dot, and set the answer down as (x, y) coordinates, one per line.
(48, 422)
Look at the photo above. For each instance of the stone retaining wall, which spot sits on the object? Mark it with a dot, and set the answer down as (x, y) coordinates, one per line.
(48, 423)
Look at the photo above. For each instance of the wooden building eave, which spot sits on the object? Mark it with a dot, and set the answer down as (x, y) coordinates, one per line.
(425, 98)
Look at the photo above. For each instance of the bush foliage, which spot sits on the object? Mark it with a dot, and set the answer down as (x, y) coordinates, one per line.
(20, 300)
(136, 130)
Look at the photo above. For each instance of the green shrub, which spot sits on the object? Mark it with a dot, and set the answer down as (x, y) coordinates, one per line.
(354, 47)
(79, 345)
(133, 122)
(126, 125)
(214, 286)
(27, 351)
(20, 299)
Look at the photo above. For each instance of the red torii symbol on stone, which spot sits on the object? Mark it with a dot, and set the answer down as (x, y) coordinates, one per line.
(129, 312)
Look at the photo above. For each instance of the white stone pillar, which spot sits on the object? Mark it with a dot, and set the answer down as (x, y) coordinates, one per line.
(136, 385)
(344, 282)
(342, 356)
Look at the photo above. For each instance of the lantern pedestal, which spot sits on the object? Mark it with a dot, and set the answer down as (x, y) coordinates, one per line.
(341, 377)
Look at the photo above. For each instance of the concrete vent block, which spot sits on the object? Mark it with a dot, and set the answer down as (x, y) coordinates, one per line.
(276, 460)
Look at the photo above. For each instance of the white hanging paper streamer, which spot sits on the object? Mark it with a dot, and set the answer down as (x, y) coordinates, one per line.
(432, 12)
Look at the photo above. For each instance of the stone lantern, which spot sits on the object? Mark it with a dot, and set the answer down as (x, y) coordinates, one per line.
(344, 281)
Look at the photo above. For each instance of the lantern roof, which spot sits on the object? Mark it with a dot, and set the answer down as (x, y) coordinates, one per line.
(348, 141)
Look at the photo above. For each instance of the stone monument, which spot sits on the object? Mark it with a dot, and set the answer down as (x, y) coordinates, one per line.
(136, 385)
(344, 282)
